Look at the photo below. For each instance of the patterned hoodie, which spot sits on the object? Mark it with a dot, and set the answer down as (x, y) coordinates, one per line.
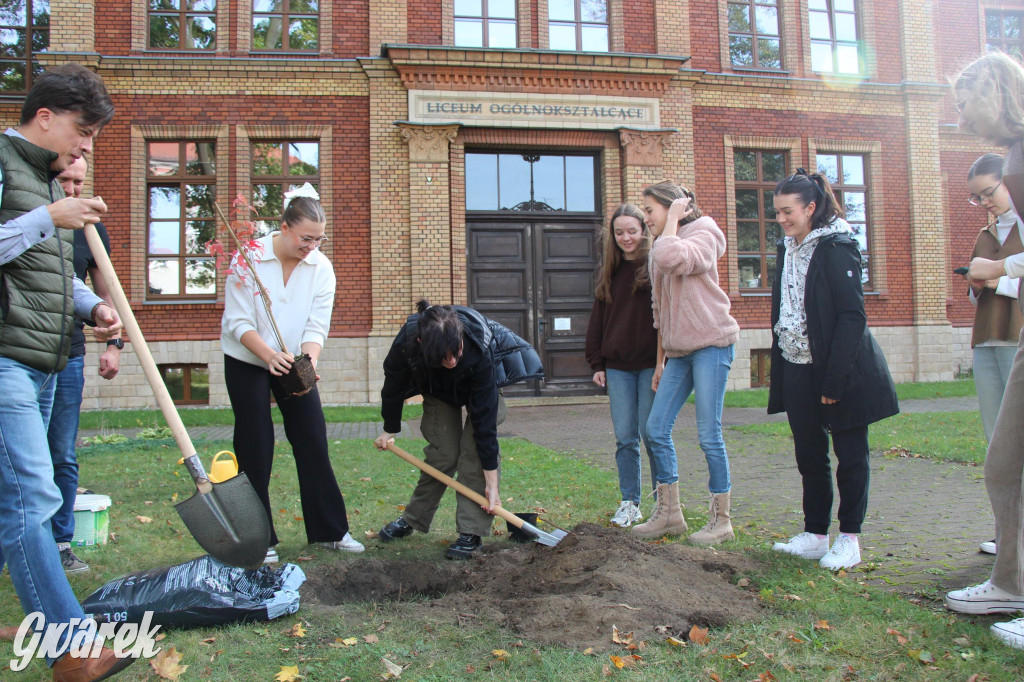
(792, 325)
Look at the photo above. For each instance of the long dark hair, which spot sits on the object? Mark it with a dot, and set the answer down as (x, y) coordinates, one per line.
(439, 332)
(989, 164)
(612, 257)
(812, 187)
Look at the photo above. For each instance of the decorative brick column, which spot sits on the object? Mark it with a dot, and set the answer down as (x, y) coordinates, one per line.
(642, 160)
(430, 236)
(72, 26)
(388, 23)
(922, 98)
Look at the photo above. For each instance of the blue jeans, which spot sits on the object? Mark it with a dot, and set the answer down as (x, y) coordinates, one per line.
(29, 497)
(704, 372)
(631, 397)
(62, 434)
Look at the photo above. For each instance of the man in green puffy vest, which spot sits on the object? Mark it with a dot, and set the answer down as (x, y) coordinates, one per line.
(39, 300)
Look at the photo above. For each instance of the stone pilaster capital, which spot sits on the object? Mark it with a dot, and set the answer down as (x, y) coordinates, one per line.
(428, 143)
(643, 147)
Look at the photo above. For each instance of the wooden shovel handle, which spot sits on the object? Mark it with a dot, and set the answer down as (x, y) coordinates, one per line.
(452, 483)
(156, 382)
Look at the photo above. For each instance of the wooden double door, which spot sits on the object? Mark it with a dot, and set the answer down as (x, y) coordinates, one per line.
(536, 277)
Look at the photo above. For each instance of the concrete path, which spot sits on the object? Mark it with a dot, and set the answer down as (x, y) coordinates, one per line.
(925, 519)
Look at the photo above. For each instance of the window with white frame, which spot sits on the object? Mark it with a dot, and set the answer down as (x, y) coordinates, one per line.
(578, 25)
(835, 36)
(485, 23)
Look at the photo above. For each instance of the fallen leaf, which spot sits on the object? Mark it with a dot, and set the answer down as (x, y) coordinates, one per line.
(371, 534)
(617, 662)
(305, 558)
(209, 640)
(621, 639)
(675, 642)
(791, 597)
(297, 518)
(295, 631)
(715, 678)
(400, 507)
(661, 629)
(144, 519)
(765, 677)
(497, 532)
(519, 645)
(500, 654)
(822, 625)
(159, 637)
(148, 503)
(393, 670)
(900, 639)
(470, 669)
(365, 479)
(371, 639)
(289, 673)
(165, 664)
(743, 582)
(841, 574)
(540, 510)
(810, 584)
(383, 625)
(698, 635)
(589, 651)
(606, 671)
(350, 641)
(793, 638)
(920, 655)
(174, 497)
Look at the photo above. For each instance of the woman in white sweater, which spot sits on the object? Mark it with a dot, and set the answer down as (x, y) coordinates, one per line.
(300, 282)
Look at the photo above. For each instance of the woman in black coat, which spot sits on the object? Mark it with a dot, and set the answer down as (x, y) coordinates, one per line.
(827, 373)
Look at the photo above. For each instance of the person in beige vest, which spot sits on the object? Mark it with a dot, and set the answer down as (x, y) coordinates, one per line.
(997, 320)
(989, 94)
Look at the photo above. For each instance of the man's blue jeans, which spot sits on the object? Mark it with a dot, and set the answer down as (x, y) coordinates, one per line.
(62, 434)
(631, 397)
(704, 372)
(28, 495)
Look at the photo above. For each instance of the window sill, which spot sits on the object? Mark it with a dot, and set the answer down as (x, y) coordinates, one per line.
(754, 294)
(760, 71)
(182, 301)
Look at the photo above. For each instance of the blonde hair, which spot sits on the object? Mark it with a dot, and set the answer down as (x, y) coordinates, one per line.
(667, 192)
(990, 91)
(611, 257)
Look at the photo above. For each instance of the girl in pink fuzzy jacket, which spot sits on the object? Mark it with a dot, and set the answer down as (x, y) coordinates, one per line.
(696, 346)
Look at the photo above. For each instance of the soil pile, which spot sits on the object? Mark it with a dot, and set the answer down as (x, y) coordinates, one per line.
(571, 594)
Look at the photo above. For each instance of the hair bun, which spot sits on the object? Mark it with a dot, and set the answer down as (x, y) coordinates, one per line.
(801, 171)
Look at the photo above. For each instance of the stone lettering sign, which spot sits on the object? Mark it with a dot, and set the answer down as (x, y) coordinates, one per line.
(528, 110)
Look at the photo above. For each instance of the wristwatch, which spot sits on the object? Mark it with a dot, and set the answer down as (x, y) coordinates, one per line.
(118, 343)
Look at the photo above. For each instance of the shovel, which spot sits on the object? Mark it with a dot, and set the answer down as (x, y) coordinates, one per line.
(226, 519)
(550, 539)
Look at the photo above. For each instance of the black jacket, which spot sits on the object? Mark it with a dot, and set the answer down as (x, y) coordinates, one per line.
(848, 364)
(492, 356)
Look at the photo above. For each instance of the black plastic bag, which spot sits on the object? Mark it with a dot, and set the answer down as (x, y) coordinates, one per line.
(199, 593)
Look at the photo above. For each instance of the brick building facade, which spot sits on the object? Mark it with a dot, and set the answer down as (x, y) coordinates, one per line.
(468, 150)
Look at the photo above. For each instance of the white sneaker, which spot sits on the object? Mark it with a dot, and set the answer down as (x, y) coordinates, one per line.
(271, 557)
(627, 514)
(983, 598)
(805, 545)
(844, 553)
(987, 547)
(346, 544)
(1011, 633)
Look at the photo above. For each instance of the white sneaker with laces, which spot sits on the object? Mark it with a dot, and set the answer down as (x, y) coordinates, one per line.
(844, 553)
(1011, 633)
(805, 545)
(627, 514)
(346, 544)
(987, 547)
(271, 557)
(983, 598)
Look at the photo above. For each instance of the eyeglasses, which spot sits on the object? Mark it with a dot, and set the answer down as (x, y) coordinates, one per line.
(315, 241)
(959, 105)
(984, 195)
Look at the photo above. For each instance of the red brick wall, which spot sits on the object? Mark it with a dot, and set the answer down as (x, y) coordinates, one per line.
(425, 22)
(113, 27)
(638, 18)
(704, 30)
(352, 29)
(348, 227)
(712, 124)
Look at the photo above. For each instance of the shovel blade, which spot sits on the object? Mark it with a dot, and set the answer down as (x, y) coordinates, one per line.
(550, 539)
(229, 522)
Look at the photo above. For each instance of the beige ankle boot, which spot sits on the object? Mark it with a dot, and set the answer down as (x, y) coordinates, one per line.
(667, 518)
(719, 528)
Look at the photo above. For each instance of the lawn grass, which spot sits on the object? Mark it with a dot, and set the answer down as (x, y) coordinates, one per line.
(949, 436)
(858, 644)
(106, 420)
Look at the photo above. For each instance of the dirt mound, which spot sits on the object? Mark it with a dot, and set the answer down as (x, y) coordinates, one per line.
(571, 594)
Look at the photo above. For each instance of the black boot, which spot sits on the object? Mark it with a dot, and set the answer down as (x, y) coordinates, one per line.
(394, 530)
(464, 547)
